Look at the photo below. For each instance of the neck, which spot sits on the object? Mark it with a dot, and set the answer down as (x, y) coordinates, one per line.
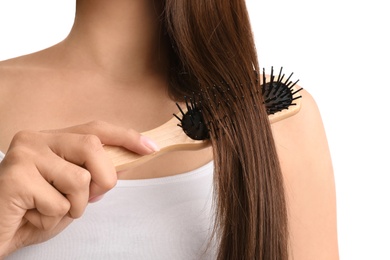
(121, 38)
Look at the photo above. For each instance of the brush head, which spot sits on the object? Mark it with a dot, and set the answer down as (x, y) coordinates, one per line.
(192, 122)
(278, 95)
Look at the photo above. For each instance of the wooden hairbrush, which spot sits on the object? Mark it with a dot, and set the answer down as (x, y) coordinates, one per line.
(280, 98)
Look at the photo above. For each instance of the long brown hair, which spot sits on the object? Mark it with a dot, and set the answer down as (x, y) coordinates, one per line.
(213, 56)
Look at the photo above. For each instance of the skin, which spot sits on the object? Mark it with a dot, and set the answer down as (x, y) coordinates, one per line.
(309, 183)
(106, 83)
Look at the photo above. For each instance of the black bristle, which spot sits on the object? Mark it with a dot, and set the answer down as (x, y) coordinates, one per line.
(192, 121)
(278, 95)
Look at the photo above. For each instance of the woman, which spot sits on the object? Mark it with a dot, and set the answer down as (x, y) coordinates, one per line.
(123, 66)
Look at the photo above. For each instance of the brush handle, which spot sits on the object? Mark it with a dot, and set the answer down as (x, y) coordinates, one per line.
(170, 137)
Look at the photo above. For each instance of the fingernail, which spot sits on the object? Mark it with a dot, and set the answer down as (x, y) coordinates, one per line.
(95, 199)
(147, 142)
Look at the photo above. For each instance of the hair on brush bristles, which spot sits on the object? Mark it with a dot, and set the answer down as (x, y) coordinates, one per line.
(278, 95)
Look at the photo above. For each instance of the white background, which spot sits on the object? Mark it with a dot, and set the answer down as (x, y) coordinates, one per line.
(339, 51)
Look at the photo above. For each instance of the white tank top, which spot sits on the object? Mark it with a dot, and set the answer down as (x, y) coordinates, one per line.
(163, 218)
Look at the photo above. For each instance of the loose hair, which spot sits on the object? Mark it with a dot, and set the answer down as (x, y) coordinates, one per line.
(213, 59)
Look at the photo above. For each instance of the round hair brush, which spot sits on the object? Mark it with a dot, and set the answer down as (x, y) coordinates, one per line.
(280, 97)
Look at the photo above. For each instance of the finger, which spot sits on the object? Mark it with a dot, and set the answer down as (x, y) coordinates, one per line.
(70, 179)
(86, 151)
(25, 189)
(41, 221)
(45, 205)
(117, 136)
(29, 234)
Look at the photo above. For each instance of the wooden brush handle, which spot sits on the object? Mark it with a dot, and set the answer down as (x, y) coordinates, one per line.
(170, 137)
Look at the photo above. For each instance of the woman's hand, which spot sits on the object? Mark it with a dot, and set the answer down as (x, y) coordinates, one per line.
(48, 177)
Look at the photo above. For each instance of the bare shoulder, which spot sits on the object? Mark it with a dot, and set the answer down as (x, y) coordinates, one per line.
(12, 71)
(24, 64)
(7, 67)
(16, 74)
(310, 189)
(8, 75)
